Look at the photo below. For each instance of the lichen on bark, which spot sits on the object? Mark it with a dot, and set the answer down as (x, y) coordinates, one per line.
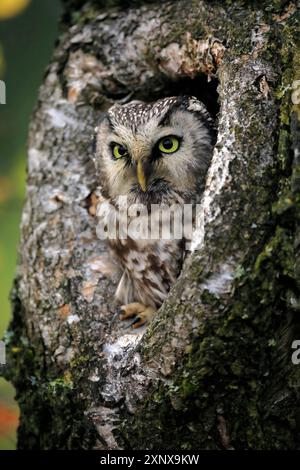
(215, 364)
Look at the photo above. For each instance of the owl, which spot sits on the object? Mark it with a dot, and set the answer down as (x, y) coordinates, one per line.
(153, 155)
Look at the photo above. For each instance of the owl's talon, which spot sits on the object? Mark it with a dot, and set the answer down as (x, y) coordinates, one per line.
(115, 317)
(138, 322)
(120, 312)
(130, 310)
(141, 312)
(130, 326)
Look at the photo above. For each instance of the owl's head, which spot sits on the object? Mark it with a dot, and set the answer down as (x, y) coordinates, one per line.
(152, 151)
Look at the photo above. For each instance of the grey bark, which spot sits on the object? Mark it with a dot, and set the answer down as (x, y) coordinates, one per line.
(214, 369)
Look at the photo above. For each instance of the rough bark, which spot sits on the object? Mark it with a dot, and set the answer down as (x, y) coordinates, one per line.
(213, 370)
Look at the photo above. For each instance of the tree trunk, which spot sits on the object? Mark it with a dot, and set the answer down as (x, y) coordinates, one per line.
(214, 369)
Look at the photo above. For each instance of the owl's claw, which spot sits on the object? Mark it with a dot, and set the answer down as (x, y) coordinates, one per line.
(119, 313)
(115, 317)
(139, 321)
(130, 310)
(141, 313)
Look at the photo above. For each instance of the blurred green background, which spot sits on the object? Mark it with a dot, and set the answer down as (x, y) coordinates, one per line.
(28, 29)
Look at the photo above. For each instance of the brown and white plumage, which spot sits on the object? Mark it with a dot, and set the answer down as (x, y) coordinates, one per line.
(147, 175)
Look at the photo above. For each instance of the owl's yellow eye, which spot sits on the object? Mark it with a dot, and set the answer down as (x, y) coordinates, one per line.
(169, 144)
(119, 151)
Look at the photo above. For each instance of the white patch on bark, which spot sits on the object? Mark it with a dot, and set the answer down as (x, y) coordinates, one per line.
(46, 332)
(106, 420)
(122, 345)
(35, 159)
(63, 355)
(117, 354)
(94, 376)
(73, 319)
(220, 283)
(60, 119)
(217, 177)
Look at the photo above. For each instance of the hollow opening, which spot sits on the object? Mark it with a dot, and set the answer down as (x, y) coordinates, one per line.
(161, 87)
(200, 87)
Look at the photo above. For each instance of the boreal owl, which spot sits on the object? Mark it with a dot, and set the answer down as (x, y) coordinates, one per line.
(155, 154)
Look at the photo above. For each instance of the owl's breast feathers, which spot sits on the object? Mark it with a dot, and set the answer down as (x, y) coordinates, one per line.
(150, 263)
(150, 268)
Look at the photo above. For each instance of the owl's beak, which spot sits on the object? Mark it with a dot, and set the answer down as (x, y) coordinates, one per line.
(142, 174)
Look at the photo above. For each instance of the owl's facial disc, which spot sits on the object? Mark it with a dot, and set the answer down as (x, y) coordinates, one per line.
(144, 163)
(149, 151)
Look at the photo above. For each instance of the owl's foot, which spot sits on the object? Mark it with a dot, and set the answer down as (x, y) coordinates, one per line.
(142, 313)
